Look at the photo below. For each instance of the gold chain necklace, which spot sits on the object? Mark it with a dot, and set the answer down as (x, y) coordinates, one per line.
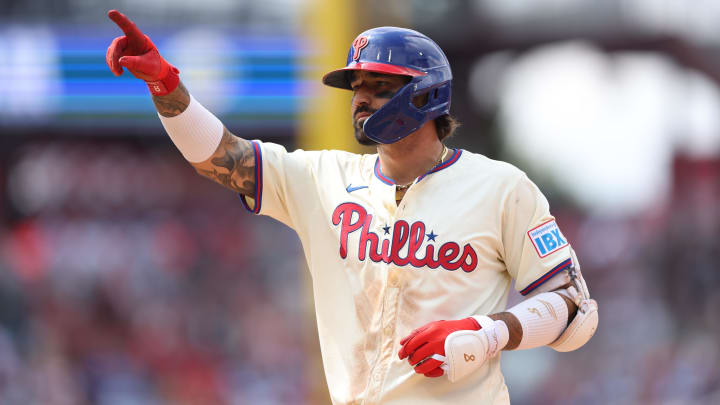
(400, 190)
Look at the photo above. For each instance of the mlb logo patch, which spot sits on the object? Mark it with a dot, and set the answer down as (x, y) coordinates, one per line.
(547, 238)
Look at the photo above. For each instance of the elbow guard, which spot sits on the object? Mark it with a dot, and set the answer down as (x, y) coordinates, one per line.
(583, 326)
(580, 330)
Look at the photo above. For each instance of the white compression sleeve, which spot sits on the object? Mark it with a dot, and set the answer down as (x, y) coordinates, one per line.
(543, 318)
(196, 132)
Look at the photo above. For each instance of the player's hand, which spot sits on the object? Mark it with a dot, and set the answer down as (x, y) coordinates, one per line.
(454, 348)
(137, 53)
(426, 341)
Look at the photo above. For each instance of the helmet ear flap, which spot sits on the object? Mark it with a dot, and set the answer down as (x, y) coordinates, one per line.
(400, 117)
(430, 97)
(396, 119)
(421, 100)
(438, 101)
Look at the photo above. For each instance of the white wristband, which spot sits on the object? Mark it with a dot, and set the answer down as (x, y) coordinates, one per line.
(468, 350)
(500, 334)
(196, 132)
(543, 318)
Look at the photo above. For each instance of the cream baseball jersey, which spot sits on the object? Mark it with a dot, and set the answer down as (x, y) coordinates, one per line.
(450, 250)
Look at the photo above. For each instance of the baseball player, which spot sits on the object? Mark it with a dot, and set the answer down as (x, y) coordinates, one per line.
(411, 250)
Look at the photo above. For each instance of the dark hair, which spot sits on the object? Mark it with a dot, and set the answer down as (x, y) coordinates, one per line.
(446, 126)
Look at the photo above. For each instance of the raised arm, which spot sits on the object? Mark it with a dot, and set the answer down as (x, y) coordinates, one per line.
(203, 140)
(232, 164)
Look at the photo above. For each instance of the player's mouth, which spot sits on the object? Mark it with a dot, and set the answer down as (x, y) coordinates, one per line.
(361, 116)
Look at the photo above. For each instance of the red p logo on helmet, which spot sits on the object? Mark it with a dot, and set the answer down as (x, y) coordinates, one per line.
(358, 44)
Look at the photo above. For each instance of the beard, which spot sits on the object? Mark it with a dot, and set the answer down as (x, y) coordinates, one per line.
(360, 135)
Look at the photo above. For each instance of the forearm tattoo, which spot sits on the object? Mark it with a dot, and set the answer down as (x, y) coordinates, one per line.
(174, 103)
(232, 165)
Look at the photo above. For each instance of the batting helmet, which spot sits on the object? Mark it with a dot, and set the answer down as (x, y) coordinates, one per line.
(399, 51)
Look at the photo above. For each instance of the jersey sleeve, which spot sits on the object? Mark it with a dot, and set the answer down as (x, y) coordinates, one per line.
(282, 180)
(535, 249)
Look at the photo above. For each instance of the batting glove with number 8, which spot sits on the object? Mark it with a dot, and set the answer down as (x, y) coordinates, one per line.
(137, 53)
(454, 348)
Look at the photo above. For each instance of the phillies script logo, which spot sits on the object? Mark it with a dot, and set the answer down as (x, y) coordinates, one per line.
(353, 217)
(358, 44)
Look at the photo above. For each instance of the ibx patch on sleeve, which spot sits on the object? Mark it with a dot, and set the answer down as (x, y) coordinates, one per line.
(547, 238)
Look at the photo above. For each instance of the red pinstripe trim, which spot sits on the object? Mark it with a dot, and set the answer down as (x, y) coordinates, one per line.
(448, 162)
(547, 276)
(390, 182)
(382, 177)
(258, 181)
(454, 158)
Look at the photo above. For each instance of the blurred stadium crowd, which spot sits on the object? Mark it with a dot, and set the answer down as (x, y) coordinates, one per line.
(127, 279)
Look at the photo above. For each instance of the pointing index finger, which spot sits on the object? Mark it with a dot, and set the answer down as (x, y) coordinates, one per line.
(129, 28)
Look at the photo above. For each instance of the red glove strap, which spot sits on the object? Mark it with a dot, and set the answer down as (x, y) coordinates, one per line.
(474, 322)
(165, 85)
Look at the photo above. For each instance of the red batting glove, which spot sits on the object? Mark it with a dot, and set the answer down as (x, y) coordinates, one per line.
(136, 52)
(427, 340)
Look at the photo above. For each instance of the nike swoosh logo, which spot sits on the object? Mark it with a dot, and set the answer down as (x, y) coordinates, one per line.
(350, 188)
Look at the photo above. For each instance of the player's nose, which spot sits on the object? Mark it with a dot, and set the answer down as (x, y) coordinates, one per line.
(361, 96)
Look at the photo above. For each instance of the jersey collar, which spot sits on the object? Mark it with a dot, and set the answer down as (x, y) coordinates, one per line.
(444, 165)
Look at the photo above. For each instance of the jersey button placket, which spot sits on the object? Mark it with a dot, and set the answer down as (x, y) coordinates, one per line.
(389, 319)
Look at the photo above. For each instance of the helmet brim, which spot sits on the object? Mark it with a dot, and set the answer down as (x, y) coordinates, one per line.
(339, 78)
